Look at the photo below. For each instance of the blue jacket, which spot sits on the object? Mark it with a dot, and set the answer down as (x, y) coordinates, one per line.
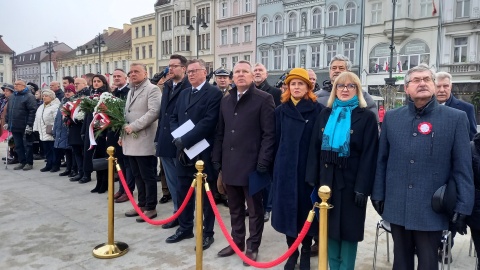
(418, 153)
(21, 110)
(468, 109)
(60, 131)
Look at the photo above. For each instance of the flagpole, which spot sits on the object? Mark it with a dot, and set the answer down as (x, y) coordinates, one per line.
(390, 80)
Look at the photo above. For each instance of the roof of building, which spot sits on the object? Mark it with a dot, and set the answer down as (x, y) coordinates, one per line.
(162, 2)
(115, 40)
(4, 47)
(39, 53)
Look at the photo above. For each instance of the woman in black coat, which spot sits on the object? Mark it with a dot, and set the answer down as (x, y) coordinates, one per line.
(473, 221)
(291, 203)
(100, 85)
(343, 153)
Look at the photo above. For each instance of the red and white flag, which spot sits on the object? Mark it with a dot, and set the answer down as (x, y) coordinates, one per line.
(399, 66)
(434, 11)
(385, 66)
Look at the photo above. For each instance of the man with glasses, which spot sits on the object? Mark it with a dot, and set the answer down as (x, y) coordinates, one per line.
(200, 104)
(165, 149)
(21, 110)
(422, 145)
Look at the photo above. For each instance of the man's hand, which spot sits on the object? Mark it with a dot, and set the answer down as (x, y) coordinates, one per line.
(120, 141)
(460, 223)
(128, 129)
(28, 130)
(378, 205)
(217, 166)
(178, 143)
(5, 126)
(360, 199)
(261, 168)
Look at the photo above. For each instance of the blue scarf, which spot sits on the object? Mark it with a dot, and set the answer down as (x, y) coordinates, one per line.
(336, 136)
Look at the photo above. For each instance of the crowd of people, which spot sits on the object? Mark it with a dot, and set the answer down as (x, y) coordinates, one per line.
(268, 150)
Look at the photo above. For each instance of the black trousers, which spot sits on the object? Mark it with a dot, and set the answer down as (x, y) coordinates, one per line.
(405, 242)
(237, 195)
(143, 169)
(67, 153)
(77, 151)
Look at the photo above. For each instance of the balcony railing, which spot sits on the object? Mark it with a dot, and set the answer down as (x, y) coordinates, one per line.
(463, 67)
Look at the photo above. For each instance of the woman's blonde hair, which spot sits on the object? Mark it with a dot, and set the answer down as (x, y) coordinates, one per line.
(343, 77)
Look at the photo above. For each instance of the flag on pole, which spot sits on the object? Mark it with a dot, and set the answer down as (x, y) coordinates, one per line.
(385, 66)
(434, 11)
(399, 66)
(376, 68)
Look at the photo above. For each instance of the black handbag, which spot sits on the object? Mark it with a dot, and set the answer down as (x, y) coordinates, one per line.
(100, 164)
(445, 198)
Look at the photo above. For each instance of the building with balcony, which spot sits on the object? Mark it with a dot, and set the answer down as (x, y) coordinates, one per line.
(38, 66)
(415, 40)
(6, 63)
(235, 32)
(187, 28)
(101, 55)
(144, 42)
(459, 47)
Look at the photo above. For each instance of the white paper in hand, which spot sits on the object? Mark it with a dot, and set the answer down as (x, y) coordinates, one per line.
(181, 130)
(198, 147)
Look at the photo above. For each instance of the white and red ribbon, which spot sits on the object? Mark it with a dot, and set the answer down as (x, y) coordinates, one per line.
(100, 122)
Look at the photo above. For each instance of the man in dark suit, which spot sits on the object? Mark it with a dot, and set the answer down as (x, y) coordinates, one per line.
(244, 144)
(165, 149)
(443, 83)
(200, 104)
(422, 145)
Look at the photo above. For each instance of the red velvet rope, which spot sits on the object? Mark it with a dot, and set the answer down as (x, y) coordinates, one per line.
(139, 211)
(270, 264)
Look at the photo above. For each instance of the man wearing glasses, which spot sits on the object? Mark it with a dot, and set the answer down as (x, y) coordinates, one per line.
(200, 104)
(176, 82)
(21, 110)
(422, 145)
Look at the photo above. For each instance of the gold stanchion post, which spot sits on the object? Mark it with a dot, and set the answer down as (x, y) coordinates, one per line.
(324, 194)
(110, 249)
(199, 165)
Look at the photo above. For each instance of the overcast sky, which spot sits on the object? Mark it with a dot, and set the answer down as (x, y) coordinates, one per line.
(27, 24)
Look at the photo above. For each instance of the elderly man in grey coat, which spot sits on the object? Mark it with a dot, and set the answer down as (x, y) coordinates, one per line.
(141, 113)
(422, 145)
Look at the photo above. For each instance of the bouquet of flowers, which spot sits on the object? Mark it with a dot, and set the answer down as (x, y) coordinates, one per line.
(88, 104)
(110, 112)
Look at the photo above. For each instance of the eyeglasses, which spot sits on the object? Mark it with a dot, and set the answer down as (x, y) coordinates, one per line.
(349, 86)
(174, 66)
(193, 71)
(418, 80)
(78, 83)
(20, 84)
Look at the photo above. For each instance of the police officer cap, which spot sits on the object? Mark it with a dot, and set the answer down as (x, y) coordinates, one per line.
(222, 72)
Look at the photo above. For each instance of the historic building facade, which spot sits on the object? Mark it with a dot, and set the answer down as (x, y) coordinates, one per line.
(185, 27)
(144, 42)
(6, 56)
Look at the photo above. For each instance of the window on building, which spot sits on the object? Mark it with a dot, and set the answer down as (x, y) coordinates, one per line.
(278, 24)
(166, 23)
(246, 32)
(1, 77)
(315, 56)
(224, 38)
(150, 71)
(349, 50)
(409, 9)
(124, 64)
(264, 26)
(317, 18)
(90, 68)
(144, 52)
(107, 64)
(150, 30)
(167, 47)
(234, 60)
(333, 16)
(183, 43)
(463, 8)
(69, 71)
(248, 5)
(204, 13)
(236, 8)
(235, 35)
(277, 58)
(182, 17)
(137, 53)
(376, 13)
(84, 69)
(143, 30)
(398, 9)
(223, 9)
(1, 59)
(331, 51)
(264, 58)
(350, 13)
(205, 41)
(460, 50)
(291, 57)
(426, 8)
(292, 22)
(223, 62)
(136, 32)
(97, 69)
(150, 51)
(246, 57)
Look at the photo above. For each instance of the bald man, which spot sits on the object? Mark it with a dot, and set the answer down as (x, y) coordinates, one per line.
(81, 87)
(55, 87)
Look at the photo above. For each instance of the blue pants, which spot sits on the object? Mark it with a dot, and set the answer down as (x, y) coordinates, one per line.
(49, 153)
(23, 147)
(170, 170)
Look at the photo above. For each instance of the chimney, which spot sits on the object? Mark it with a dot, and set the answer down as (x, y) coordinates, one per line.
(126, 27)
(55, 41)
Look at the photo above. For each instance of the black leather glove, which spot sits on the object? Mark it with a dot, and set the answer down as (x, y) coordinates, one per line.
(217, 166)
(378, 205)
(460, 223)
(178, 143)
(28, 130)
(261, 168)
(360, 199)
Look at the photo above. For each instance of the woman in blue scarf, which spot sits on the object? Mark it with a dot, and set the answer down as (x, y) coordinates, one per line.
(342, 155)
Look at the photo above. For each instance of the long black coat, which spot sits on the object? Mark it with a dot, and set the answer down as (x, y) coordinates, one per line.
(291, 194)
(202, 109)
(245, 135)
(275, 92)
(468, 109)
(165, 147)
(473, 220)
(346, 221)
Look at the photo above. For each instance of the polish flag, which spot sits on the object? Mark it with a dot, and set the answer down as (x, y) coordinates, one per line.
(107, 76)
(385, 66)
(434, 11)
(376, 67)
(399, 66)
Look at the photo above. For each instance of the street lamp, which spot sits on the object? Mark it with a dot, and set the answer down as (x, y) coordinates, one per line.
(99, 43)
(391, 81)
(197, 22)
(49, 51)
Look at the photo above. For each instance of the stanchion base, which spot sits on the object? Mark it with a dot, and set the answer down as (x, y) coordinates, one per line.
(105, 251)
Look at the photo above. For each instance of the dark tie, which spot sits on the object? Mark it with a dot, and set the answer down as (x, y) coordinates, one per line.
(194, 91)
